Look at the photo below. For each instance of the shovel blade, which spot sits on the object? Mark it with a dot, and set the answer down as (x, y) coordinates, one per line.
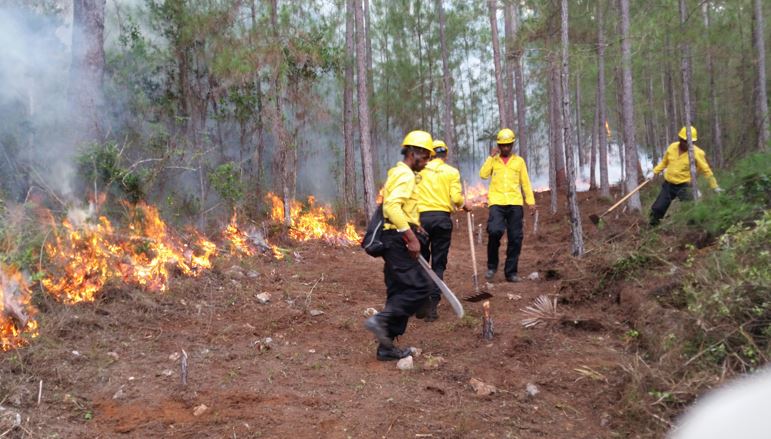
(477, 296)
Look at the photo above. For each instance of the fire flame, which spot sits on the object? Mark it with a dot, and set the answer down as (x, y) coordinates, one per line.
(477, 195)
(313, 222)
(607, 129)
(85, 258)
(17, 315)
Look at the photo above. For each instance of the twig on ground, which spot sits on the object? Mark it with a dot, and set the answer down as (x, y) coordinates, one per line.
(183, 367)
(40, 392)
(308, 296)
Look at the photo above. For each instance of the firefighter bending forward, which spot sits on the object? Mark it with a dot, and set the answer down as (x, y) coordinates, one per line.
(407, 286)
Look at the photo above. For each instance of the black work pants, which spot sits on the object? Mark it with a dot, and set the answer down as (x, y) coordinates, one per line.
(504, 219)
(407, 286)
(438, 225)
(669, 192)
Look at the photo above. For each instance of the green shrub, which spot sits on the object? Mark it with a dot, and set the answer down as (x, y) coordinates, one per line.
(226, 182)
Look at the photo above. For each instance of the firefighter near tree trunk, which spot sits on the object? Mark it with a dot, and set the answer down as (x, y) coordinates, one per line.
(677, 178)
(407, 287)
(439, 194)
(509, 189)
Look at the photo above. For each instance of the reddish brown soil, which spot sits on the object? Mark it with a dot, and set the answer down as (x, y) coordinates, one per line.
(319, 377)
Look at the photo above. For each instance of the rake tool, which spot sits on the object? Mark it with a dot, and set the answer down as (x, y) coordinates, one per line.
(595, 219)
(478, 294)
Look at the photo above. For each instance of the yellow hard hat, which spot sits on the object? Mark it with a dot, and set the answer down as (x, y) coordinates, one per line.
(420, 139)
(506, 136)
(683, 135)
(439, 144)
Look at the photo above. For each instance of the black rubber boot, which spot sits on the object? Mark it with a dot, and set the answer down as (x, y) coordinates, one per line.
(392, 353)
(378, 328)
(432, 314)
(490, 275)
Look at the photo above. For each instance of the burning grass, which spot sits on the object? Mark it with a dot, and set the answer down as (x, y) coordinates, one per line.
(17, 315)
(312, 222)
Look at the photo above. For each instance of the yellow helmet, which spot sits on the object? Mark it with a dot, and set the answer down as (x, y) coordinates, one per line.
(440, 145)
(420, 139)
(683, 135)
(506, 136)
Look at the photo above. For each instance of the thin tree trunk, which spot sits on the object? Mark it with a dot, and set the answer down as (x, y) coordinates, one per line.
(520, 89)
(553, 134)
(576, 231)
(499, 86)
(350, 160)
(630, 142)
(668, 135)
(580, 150)
(686, 67)
(87, 71)
(596, 132)
(508, 26)
(449, 129)
(560, 143)
(761, 120)
(674, 119)
(717, 135)
(603, 117)
(364, 127)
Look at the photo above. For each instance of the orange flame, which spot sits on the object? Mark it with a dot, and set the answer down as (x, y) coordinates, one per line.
(312, 222)
(17, 315)
(607, 129)
(239, 242)
(85, 258)
(477, 195)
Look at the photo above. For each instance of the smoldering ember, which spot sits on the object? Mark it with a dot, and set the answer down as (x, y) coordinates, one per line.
(370, 218)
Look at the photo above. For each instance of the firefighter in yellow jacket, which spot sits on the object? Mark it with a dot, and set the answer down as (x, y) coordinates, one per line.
(407, 286)
(677, 178)
(439, 194)
(508, 182)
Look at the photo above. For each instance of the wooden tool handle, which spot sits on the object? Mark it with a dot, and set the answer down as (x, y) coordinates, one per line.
(626, 197)
(470, 232)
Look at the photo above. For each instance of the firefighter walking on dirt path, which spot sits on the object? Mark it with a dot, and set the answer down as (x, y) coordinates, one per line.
(439, 194)
(407, 286)
(677, 178)
(508, 181)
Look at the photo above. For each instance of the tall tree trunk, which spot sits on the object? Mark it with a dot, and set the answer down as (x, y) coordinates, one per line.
(668, 135)
(603, 117)
(364, 127)
(761, 117)
(520, 89)
(596, 132)
(447, 116)
(553, 135)
(674, 119)
(508, 28)
(630, 142)
(560, 143)
(350, 160)
(579, 149)
(717, 135)
(87, 71)
(503, 118)
(576, 231)
(686, 67)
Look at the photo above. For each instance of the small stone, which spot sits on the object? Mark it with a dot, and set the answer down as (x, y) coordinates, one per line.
(513, 296)
(263, 298)
(604, 420)
(113, 355)
(533, 276)
(251, 274)
(235, 272)
(120, 394)
(482, 389)
(316, 312)
(531, 390)
(369, 312)
(406, 363)
(175, 356)
(131, 378)
(268, 340)
(415, 351)
(235, 283)
(167, 372)
(76, 353)
(199, 410)
(312, 351)
(9, 419)
(433, 363)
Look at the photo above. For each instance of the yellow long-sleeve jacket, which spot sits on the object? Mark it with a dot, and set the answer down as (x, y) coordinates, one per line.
(677, 166)
(439, 187)
(400, 198)
(508, 182)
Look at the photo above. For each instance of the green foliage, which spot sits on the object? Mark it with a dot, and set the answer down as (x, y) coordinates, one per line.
(100, 164)
(226, 182)
(747, 194)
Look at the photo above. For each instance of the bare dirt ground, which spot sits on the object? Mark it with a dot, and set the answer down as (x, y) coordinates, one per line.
(112, 368)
